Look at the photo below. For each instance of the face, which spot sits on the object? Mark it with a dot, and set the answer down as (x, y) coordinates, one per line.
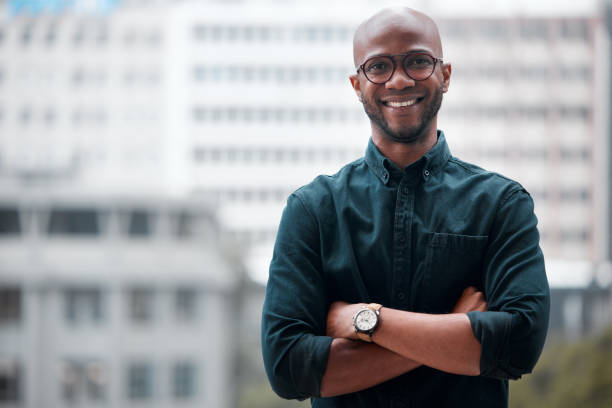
(402, 110)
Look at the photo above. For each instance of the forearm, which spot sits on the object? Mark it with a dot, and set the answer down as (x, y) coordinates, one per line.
(444, 342)
(354, 366)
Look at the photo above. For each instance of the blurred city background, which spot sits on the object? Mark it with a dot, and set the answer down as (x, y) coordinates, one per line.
(147, 148)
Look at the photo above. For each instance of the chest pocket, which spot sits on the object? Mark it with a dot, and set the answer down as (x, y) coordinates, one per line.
(452, 263)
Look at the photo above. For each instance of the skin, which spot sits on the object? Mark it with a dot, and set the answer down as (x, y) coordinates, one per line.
(404, 340)
(401, 134)
(355, 365)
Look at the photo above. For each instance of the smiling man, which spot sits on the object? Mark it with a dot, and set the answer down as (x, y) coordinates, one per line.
(409, 278)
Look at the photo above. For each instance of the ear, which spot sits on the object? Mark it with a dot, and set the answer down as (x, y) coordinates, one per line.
(446, 74)
(356, 85)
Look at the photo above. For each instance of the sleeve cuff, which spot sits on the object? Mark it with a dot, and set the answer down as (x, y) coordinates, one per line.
(492, 330)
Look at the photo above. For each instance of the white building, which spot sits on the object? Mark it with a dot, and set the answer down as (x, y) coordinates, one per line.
(242, 102)
(114, 301)
(245, 101)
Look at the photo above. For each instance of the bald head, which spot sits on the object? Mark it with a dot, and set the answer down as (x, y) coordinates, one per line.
(396, 24)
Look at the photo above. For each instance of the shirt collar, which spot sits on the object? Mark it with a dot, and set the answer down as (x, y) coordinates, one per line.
(432, 162)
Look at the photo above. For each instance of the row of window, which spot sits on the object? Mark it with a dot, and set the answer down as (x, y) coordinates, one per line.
(571, 236)
(508, 29)
(290, 75)
(263, 33)
(89, 381)
(94, 222)
(537, 154)
(295, 74)
(498, 29)
(97, 32)
(88, 305)
(566, 195)
(275, 114)
(279, 74)
(86, 34)
(539, 73)
(230, 194)
(257, 155)
(83, 116)
(535, 112)
(143, 76)
(224, 195)
(312, 114)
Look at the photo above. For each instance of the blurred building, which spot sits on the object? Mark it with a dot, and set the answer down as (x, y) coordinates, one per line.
(114, 301)
(245, 101)
(239, 103)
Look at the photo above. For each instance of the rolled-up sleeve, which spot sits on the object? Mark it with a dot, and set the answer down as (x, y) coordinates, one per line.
(513, 329)
(295, 348)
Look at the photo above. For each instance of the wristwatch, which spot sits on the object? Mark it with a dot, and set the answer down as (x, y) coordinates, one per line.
(366, 321)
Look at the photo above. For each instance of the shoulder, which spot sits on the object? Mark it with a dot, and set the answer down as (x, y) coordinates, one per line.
(325, 189)
(484, 180)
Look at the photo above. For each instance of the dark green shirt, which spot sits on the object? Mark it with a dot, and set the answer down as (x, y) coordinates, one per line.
(409, 240)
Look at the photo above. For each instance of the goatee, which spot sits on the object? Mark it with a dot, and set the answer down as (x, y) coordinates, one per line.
(407, 135)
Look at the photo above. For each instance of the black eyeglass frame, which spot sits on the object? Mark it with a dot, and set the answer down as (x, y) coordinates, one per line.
(405, 55)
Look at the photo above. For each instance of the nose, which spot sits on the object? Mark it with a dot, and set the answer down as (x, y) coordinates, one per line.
(400, 80)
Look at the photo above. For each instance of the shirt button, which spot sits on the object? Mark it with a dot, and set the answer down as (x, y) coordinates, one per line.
(426, 173)
(401, 296)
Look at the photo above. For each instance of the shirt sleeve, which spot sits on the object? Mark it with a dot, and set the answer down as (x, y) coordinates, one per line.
(295, 348)
(513, 329)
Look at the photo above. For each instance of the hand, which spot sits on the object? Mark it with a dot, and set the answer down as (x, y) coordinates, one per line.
(340, 320)
(471, 300)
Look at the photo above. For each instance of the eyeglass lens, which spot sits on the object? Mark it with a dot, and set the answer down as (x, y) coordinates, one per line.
(417, 66)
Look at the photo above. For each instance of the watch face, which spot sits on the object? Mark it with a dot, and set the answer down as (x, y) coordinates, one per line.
(366, 320)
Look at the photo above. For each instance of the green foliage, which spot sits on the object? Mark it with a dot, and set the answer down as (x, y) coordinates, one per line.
(569, 375)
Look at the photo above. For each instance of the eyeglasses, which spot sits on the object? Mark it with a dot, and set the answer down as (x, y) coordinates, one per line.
(417, 65)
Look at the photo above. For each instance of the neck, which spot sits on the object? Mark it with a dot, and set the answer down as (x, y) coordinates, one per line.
(404, 154)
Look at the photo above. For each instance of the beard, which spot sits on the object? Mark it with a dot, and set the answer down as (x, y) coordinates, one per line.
(409, 134)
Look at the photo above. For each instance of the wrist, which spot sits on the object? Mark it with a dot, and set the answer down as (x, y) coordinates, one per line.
(366, 321)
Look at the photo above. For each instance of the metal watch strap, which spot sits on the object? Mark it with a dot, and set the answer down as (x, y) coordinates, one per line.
(367, 337)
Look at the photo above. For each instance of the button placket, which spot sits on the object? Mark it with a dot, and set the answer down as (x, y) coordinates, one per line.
(402, 239)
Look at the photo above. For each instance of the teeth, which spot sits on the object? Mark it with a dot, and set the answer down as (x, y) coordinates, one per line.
(401, 104)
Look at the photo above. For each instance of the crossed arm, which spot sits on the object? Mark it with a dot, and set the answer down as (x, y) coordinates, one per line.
(306, 356)
(403, 342)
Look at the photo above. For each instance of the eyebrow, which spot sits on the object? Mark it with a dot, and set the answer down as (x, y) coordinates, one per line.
(418, 51)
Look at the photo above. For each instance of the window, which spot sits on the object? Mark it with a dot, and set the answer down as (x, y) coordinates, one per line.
(184, 225)
(74, 222)
(141, 302)
(83, 380)
(186, 304)
(51, 34)
(492, 29)
(10, 305)
(10, 381)
(139, 224)
(83, 305)
(26, 34)
(140, 381)
(575, 235)
(184, 378)
(575, 29)
(25, 116)
(96, 379)
(9, 221)
(534, 29)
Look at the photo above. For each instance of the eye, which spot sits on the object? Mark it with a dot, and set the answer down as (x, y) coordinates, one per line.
(378, 66)
(419, 61)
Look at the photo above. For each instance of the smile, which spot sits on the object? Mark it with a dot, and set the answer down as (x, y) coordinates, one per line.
(401, 104)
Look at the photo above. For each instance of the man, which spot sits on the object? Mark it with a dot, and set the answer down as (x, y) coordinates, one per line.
(408, 227)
